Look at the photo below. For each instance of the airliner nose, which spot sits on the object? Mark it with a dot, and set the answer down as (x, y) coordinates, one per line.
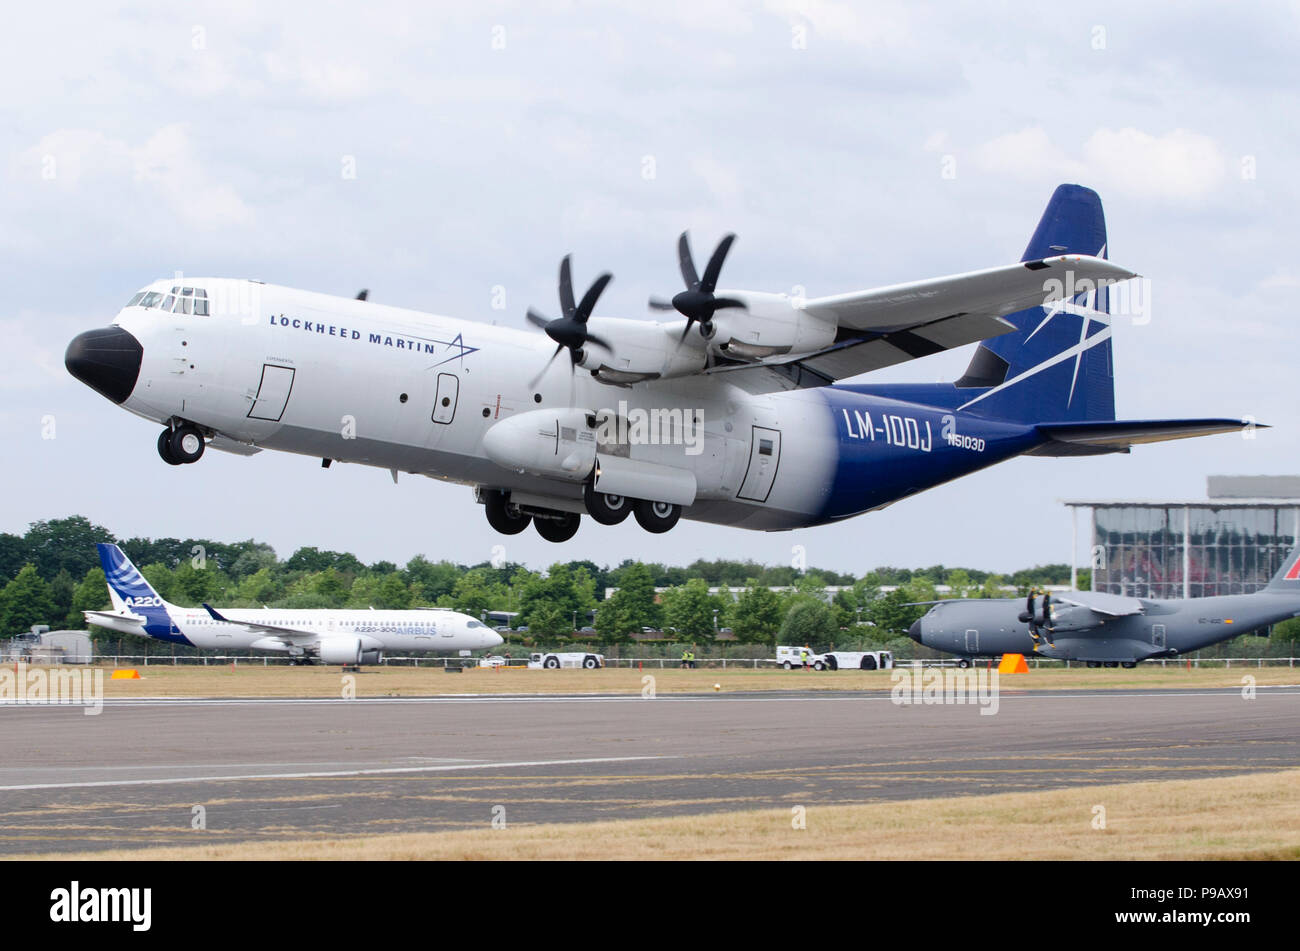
(495, 640)
(914, 632)
(106, 360)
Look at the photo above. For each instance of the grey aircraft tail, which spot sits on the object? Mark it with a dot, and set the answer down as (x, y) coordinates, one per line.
(1287, 579)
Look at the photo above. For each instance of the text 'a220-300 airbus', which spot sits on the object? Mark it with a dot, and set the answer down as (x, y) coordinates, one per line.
(729, 414)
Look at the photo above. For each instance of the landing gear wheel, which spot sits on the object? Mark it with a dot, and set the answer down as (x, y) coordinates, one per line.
(186, 443)
(558, 529)
(606, 509)
(1094, 663)
(501, 515)
(657, 517)
(165, 449)
(1128, 664)
(964, 663)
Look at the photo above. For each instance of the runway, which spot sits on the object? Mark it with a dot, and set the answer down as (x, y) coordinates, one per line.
(277, 769)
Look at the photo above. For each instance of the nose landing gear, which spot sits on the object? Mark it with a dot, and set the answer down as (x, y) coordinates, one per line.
(181, 445)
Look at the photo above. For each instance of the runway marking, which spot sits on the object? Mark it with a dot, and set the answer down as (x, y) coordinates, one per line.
(330, 773)
(1006, 693)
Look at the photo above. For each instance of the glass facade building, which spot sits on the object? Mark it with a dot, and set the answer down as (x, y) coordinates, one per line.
(1150, 549)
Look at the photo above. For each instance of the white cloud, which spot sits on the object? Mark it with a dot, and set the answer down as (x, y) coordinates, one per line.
(1177, 166)
(167, 165)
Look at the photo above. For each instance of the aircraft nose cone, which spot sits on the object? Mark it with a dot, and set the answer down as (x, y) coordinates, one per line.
(107, 360)
(914, 632)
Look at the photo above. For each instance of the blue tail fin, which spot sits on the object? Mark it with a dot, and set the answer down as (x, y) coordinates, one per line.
(1057, 365)
(131, 592)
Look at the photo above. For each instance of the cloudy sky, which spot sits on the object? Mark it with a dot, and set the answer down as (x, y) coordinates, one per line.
(489, 139)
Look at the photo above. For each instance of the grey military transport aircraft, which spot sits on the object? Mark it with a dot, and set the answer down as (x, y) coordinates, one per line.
(1104, 629)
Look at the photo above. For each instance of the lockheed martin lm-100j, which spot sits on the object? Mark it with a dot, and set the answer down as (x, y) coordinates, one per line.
(730, 413)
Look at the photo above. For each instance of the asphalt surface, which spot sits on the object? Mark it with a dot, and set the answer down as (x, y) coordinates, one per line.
(280, 769)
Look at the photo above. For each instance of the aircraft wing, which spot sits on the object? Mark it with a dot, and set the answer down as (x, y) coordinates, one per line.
(1099, 602)
(901, 322)
(274, 629)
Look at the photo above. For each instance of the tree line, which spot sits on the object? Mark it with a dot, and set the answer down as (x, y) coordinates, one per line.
(51, 574)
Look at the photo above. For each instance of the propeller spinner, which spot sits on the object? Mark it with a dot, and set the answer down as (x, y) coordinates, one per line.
(569, 331)
(698, 303)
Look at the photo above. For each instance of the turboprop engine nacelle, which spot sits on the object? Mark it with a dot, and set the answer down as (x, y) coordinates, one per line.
(643, 350)
(769, 325)
(557, 443)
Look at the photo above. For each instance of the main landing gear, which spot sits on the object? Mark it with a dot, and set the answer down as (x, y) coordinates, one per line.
(656, 517)
(511, 518)
(180, 445)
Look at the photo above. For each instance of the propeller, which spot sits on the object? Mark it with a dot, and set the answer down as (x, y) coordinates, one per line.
(570, 329)
(1034, 620)
(697, 303)
(1027, 617)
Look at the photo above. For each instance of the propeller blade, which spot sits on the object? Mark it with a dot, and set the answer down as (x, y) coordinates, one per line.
(533, 382)
(589, 299)
(722, 302)
(657, 304)
(598, 341)
(714, 268)
(566, 288)
(537, 319)
(686, 262)
(690, 322)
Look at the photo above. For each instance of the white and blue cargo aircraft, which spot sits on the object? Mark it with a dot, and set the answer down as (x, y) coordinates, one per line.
(730, 414)
(347, 637)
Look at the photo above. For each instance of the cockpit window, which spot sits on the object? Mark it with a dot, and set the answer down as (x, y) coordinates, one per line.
(475, 624)
(180, 300)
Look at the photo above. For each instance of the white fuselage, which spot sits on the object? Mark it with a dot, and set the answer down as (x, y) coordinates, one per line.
(378, 630)
(355, 381)
(302, 630)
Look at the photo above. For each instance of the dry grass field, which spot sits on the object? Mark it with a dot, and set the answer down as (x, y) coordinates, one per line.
(1255, 816)
(254, 680)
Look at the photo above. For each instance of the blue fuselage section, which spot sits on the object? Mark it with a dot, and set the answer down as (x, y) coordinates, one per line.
(888, 449)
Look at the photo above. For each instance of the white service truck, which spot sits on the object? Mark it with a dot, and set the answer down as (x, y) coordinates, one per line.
(859, 660)
(554, 660)
(791, 657)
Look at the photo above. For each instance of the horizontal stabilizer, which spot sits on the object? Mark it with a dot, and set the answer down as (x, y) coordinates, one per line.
(1106, 435)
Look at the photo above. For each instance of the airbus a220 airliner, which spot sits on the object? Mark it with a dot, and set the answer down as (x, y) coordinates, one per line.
(307, 635)
(731, 413)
